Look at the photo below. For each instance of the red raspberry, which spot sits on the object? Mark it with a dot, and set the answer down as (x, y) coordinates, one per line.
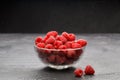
(60, 59)
(62, 47)
(41, 45)
(57, 37)
(79, 52)
(82, 42)
(52, 33)
(68, 44)
(76, 45)
(70, 53)
(47, 52)
(66, 35)
(51, 58)
(61, 38)
(49, 46)
(38, 40)
(71, 37)
(78, 72)
(45, 38)
(57, 44)
(89, 70)
(50, 40)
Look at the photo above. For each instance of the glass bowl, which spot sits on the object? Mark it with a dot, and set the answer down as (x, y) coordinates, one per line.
(59, 58)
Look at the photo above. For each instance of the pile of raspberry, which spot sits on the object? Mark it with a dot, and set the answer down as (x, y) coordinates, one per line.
(58, 49)
(54, 41)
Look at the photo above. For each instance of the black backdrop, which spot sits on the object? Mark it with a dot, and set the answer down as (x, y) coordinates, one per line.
(79, 16)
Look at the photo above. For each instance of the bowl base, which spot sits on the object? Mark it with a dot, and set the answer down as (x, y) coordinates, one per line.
(59, 67)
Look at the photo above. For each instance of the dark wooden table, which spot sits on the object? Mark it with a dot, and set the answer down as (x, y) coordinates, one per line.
(18, 60)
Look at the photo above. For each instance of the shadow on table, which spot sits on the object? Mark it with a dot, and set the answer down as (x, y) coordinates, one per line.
(48, 69)
(52, 74)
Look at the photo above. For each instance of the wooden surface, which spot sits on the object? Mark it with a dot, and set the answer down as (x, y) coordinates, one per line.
(18, 60)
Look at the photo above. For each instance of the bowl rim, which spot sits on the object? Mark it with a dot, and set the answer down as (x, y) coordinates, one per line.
(59, 49)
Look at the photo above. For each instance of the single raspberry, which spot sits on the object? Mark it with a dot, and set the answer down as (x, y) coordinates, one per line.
(41, 45)
(50, 40)
(51, 58)
(60, 59)
(62, 47)
(61, 38)
(47, 52)
(78, 72)
(66, 35)
(82, 42)
(49, 46)
(79, 52)
(68, 44)
(71, 37)
(38, 40)
(71, 53)
(57, 37)
(52, 33)
(57, 44)
(89, 70)
(76, 45)
(45, 38)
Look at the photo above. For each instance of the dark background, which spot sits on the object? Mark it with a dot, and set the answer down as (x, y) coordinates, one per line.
(78, 16)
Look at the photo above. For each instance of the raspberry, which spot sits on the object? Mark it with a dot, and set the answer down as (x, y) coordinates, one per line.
(78, 72)
(60, 59)
(49, 46)
(89, 70)
(52, 33)
(47, 52)
(70, 53)
(51, 58)
(71, 37)
(62, 47)
(82, 42)
(50, 40)
(66, 35)
(45, 38)
(68, 44)
(57, 44)
(38, 40)
(41, 45)
(61, 38)
(57, 37)
(79, 52)
(76, 45)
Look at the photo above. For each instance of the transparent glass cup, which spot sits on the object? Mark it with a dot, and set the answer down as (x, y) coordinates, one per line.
(59, 58)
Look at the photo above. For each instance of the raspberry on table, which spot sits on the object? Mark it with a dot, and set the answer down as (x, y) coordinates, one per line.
(89, 70)
(78, 72)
